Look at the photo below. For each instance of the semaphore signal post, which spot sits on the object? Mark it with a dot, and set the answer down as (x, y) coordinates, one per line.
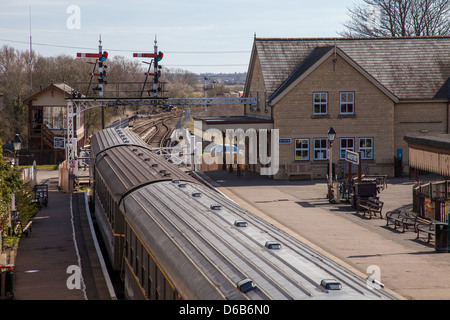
(157, 57)
(77, 104)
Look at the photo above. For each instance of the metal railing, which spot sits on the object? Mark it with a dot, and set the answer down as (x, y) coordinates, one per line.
(431, 200)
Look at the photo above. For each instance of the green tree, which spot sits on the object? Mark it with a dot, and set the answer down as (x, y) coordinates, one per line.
(11, 182)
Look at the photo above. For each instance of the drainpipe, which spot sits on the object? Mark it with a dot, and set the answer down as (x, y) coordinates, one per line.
(448, 115)
(448, 109)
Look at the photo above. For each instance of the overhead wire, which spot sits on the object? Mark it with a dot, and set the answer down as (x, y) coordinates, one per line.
(126, 50)
(169, 52)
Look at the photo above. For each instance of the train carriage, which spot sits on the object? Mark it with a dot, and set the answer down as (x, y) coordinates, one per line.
(120, 163)
(175, 238)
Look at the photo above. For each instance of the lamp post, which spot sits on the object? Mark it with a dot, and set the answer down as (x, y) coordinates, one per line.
(331, 134)
(17, 146)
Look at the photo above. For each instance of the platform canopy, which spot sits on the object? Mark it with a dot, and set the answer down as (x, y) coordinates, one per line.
(223, 123)
(430, 152)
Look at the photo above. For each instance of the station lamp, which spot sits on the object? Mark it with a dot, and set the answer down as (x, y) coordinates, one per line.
(331, 134)
(17, 144)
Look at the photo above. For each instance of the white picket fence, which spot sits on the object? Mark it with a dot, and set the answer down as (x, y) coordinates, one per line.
(30, 174)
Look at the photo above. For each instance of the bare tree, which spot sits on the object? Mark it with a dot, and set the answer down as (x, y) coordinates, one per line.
(181, 83)
(14, 85)
(178, 75)
(398, 18)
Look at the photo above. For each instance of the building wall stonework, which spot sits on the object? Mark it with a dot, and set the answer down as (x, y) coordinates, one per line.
(373, 117)
(417, 118)
(257, 90)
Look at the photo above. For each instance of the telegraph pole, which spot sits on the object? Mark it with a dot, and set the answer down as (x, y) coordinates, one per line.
(31, 59)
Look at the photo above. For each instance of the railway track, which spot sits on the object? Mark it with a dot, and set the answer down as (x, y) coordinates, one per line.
(155, 132)
(143, 126)
(159, 135)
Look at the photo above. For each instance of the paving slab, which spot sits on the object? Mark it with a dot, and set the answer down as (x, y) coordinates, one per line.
(60, 239)
(44, 256)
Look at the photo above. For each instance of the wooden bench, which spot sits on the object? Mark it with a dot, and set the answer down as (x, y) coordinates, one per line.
(402, 218)
(411, 220)
(372, 207)
(298, 169)
(426, 226)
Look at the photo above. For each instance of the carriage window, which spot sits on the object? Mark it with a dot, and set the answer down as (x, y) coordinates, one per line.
(142, 274)
(127, 241)
(159, 284)
(152, 278)
(168, 291)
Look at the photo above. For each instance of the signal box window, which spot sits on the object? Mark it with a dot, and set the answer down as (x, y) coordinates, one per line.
(55, 117)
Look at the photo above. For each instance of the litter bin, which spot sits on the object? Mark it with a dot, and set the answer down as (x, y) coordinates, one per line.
(441, 237)
(366, 189)
(6, 281)
(363, 191)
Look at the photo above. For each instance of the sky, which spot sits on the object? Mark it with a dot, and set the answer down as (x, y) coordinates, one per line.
(195, 35)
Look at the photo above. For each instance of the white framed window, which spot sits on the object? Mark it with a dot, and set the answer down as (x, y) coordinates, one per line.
(346, 144)
(301, 149)
(55, 117)
(320, 103)
(347, 103)
(320, 149)
(366, 148)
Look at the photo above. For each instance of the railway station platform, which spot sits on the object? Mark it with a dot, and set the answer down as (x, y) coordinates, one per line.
(60, 242)
(411, 268)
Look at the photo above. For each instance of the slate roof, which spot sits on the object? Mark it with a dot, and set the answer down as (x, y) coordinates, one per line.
(410, 68)
(64, 88)
(306, 64)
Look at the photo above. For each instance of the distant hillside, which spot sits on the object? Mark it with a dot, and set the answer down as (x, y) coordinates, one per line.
(225, 78)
